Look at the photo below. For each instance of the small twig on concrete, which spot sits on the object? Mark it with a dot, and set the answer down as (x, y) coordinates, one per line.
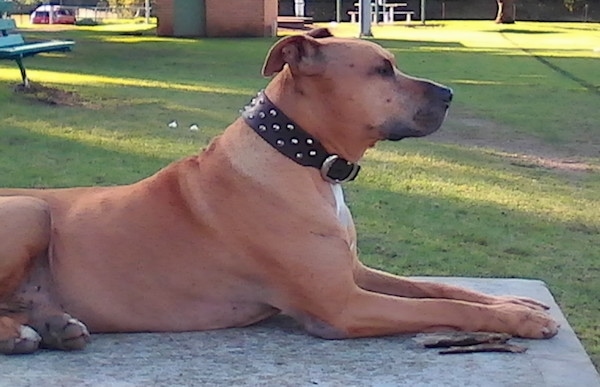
(487, 347)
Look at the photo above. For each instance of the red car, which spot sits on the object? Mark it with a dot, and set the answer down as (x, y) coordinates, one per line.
(59, 15)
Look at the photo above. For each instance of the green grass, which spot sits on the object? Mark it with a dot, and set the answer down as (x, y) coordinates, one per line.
(422, 207)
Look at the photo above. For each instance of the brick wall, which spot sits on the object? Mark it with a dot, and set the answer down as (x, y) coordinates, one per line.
(225, 17)
(164, 11)
(240, 17)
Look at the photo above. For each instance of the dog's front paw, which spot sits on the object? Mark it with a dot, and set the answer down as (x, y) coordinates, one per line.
(528, 323)
(65, 333)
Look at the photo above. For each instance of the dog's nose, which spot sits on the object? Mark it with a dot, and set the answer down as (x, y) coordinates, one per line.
(439, 92)
(446, 94)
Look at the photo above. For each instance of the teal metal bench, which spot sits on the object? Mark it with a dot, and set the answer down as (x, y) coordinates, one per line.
(13, 46)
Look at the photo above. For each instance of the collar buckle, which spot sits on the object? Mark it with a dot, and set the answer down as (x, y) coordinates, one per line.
(337, 170)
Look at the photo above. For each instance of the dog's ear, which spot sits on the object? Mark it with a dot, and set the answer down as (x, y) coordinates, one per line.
(301, 52)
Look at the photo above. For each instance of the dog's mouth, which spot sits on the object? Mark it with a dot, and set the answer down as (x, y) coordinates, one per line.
(429, 120)
(424, 122)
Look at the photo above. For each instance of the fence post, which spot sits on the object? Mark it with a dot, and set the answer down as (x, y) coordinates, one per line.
(364, 13)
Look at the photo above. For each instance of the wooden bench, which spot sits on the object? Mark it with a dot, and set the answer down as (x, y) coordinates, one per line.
(295, 22)
(13, 46)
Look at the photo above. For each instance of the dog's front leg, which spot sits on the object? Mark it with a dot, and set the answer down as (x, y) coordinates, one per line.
(385, 283)
(365, 314)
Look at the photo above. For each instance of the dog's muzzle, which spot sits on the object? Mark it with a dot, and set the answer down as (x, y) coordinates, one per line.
(427, 118)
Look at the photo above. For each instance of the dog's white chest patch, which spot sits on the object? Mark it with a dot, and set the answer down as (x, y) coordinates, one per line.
(343, 213)
(340, 203)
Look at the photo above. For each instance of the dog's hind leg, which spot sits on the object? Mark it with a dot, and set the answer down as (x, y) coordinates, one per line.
(24, 234)
(58, 329)
(16, 338)
(38, 318)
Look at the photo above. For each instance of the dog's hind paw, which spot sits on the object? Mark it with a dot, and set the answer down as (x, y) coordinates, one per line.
(65, 333)
(27, 341)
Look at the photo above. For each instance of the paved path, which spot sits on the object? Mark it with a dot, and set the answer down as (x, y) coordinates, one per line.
(279, 353)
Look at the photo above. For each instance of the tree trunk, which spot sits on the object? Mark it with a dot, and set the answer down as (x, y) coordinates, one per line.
(505, 11)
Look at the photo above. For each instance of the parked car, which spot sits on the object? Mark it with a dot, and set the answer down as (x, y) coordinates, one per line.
(60, 15)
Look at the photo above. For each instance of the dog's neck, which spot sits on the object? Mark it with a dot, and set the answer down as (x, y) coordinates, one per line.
(288, 138)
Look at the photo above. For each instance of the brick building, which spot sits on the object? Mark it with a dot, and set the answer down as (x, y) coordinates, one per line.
(214, 18)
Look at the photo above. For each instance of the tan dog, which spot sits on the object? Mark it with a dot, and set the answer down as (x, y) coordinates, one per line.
(246, 229)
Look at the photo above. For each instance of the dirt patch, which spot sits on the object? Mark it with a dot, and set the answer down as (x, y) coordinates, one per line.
(52, 96)
(521, 150)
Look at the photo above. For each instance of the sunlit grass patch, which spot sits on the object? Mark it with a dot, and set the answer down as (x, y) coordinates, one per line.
(557, 39)
(485, 180)
(64, 78)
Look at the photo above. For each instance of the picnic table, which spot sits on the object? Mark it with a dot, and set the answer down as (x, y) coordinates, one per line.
(388, 11)
(392, 9)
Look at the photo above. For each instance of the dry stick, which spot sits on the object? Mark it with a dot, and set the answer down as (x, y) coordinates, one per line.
(488, 347)
(464, 339)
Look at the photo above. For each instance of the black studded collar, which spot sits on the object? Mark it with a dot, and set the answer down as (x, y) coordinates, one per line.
(292, 141)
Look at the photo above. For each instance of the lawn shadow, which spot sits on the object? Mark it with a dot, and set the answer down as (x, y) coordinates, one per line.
(403, 44)
(523, 31)
(58, 162)
(557, 69)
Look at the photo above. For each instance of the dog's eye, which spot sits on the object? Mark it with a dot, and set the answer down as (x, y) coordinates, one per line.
(386, 70)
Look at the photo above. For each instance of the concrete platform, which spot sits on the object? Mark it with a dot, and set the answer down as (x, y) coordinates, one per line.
(278, 353)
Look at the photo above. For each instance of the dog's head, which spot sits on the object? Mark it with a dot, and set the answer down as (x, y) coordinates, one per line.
(356, 88)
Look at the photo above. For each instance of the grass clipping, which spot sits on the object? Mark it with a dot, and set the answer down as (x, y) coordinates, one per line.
(51, 95)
